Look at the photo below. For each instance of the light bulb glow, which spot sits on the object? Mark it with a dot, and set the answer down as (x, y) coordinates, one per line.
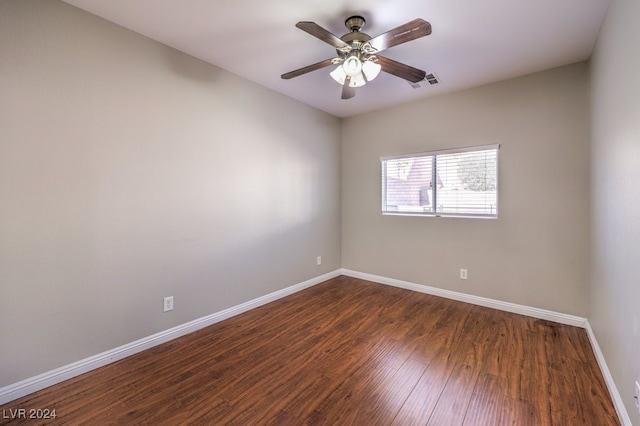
(352, 66)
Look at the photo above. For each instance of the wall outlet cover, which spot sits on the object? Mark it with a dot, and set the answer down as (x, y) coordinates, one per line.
(168, 304)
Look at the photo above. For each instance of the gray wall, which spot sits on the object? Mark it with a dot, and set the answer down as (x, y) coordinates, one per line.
(129, 172)
(614, 302)
(536, 252)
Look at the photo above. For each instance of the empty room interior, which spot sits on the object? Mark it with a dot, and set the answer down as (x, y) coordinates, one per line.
(167, 191)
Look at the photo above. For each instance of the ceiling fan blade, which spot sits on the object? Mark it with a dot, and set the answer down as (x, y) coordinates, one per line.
(402, 34)
(401, 70)
(319, 32)
(308, 68)
(348, 92)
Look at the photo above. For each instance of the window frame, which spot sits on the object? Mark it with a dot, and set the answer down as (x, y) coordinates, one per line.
(434, 178)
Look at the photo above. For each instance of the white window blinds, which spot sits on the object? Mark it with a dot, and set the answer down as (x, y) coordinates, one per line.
(457, 182)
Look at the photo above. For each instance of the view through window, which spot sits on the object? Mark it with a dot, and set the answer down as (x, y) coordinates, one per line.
(456, 182)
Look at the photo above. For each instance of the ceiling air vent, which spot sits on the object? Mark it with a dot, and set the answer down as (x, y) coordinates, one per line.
(430, 79)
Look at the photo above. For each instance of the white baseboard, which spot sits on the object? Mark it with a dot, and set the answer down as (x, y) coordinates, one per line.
(34, 384)
(517, 309)
(475, 300)
(50, 378)
(608, 378)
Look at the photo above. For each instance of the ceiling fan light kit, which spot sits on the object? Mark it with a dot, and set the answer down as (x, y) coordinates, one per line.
(357, 53)
(360, 72)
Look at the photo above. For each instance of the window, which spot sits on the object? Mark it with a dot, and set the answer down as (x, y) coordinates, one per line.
(455, 182)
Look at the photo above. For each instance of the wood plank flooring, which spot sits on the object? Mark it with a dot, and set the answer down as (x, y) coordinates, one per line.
(348, 352)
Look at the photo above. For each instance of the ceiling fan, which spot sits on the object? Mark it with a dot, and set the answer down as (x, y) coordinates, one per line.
(358, 56)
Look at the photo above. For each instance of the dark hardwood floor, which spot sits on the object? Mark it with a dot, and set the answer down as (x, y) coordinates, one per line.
(346, 352)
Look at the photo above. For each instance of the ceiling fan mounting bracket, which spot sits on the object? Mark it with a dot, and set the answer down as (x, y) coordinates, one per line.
(355, 23)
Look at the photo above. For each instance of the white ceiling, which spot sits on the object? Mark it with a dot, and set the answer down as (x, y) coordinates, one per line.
(473, 42)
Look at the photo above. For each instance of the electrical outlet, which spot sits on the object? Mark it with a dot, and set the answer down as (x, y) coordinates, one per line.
(319, 260)
(463, 274)
(637, 396)
(168, 304)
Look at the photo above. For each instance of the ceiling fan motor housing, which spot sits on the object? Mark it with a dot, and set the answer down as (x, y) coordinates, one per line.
(355, 39)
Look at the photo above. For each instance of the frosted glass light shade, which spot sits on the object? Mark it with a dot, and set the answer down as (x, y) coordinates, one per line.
(339, 75)
(371, 69)
(352, 66)
(357, 80)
